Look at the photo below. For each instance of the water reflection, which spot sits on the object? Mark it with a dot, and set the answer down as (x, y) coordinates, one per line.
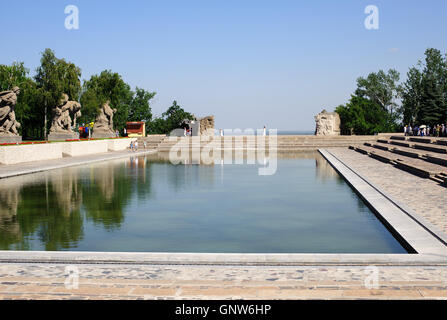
(104, 205)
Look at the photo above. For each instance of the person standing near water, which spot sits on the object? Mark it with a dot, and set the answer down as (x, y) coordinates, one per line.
(264, 132)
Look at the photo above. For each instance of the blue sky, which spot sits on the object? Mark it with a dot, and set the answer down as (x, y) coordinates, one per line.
(249, 63)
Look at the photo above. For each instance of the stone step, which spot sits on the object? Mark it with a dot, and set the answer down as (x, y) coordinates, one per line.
(403, 144)
(420, 167)
(433, 148)
(435, 158)
(398, 138)
(422, 139)
(415, 166)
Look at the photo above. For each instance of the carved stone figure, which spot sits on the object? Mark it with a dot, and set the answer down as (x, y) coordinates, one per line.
(63, 114)
(64, 118)
(327, 124)
(103, 127)
(207, 126)
(8, 122)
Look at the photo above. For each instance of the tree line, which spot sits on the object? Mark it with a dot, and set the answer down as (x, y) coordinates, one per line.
(382, 104)
(56, 76)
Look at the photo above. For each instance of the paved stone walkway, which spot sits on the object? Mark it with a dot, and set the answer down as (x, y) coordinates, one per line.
(18, 281)
(426, 197)
(124, 281)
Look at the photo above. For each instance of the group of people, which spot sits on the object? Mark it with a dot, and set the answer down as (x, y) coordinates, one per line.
(134, 146)
(439, 130)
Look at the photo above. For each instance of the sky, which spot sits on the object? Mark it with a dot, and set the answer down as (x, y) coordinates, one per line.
(248, 63)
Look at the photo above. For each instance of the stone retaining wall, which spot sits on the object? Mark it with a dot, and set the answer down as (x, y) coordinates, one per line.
(29, 153)
(119, 144)
(57, 150)
(83, 148)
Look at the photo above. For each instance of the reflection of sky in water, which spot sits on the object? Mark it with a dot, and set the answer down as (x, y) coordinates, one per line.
(147, 204)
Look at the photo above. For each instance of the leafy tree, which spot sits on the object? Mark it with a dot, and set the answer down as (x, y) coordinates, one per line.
(107, 86)
(170, 119)
(381, 88)
(432, 105)
(140, 109)
(54, 77)
(425, 91)
(156, 126)
(174, 117)
(13, 75)
(363, 116)
(411, 96)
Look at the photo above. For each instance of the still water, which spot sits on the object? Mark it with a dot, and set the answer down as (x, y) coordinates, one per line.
(148, 204)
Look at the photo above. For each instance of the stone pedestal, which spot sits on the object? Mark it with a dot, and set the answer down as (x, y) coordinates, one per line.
(102, 135)
(10, 139)
(60, 136)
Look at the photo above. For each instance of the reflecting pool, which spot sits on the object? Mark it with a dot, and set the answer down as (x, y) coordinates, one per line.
(148, 204)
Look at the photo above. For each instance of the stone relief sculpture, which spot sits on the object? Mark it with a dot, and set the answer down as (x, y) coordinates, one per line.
(8, 122)
(327, 124)
(63, 114)
(207, 126)
(104, 122)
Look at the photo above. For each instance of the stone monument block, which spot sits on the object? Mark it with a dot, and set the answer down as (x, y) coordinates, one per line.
(8, 123)
(327, 124)
(64, 118)
(103, 127)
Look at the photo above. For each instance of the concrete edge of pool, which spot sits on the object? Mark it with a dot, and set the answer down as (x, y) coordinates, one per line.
(428, 245)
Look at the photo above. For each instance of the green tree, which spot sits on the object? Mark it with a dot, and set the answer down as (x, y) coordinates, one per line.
(54, 77)
(381, 88)
(13, 75)
(425, 91)
(362, 116)
(107, 86)
(174, 117)
(432, 105)
(140, 109)
(411, 96)
(156, 126)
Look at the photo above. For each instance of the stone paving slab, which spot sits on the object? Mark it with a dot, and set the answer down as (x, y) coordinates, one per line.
(37, 281)
(425, 197)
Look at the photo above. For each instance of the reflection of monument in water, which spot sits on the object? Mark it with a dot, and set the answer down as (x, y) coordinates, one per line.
(185, 172)
(104, 179)
(324, 170)
(9, 226)
(66, 190)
